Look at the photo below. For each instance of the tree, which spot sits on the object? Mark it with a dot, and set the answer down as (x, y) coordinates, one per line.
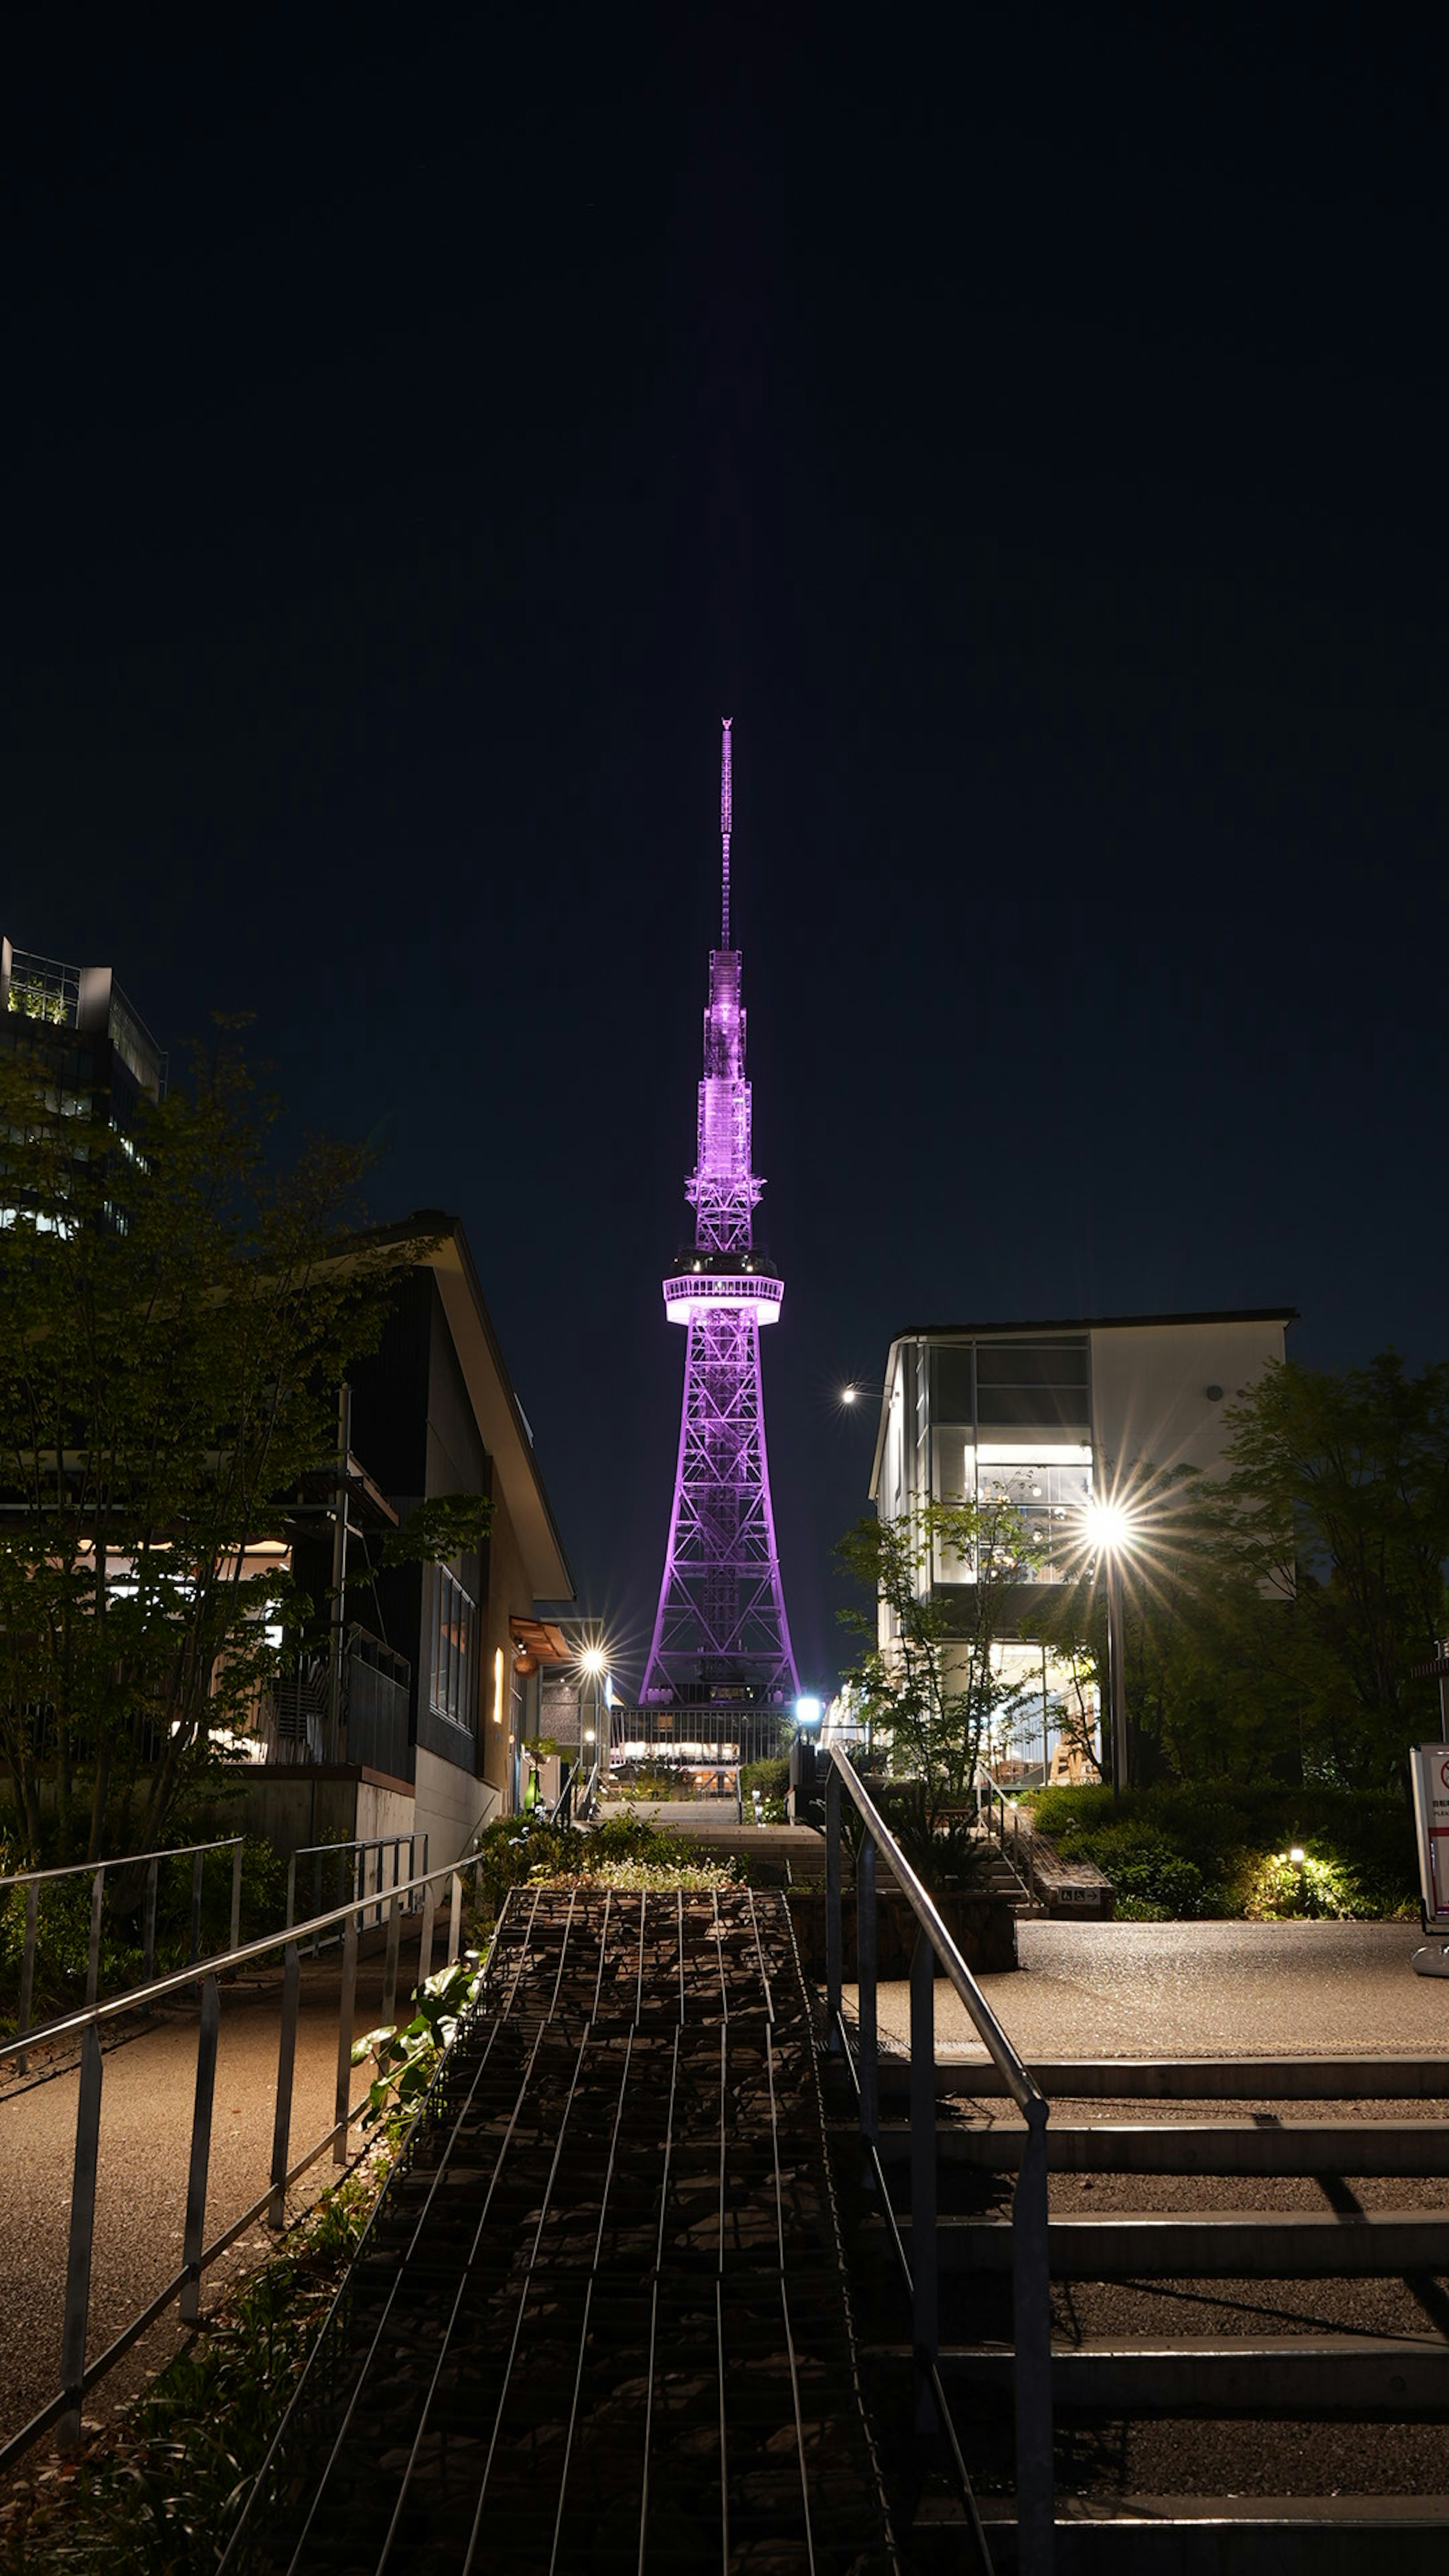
(180, 1307)
(933, 1686)
(1337, 1505)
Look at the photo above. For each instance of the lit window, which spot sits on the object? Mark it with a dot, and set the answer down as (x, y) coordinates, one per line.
(453, 1688)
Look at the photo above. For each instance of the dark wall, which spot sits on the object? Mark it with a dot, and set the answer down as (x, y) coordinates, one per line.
(414, 1431)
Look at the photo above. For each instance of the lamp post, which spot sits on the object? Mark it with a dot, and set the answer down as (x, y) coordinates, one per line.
(593, 1664)
(1109, 1527)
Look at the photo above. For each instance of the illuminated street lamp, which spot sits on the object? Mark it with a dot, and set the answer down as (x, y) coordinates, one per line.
(593, 1666)
(1109, 1529)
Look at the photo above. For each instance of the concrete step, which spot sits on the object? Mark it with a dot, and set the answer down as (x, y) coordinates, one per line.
(1233, 2535)
(1193, 2079)
(1192, 2147)
(1281, 2374)
(1231, 2244)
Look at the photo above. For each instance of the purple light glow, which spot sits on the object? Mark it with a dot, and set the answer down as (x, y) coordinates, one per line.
(721, 1620)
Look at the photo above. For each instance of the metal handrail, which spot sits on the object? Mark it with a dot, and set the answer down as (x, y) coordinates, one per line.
(1031, 2270)
(379, 1843)
(118, 1860)
(32, 1880)
(77, 2375)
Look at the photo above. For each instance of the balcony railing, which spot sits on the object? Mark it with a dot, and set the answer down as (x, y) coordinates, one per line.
(293, 1720)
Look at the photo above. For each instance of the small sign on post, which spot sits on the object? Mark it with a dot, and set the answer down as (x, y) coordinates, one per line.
(1431, 1817)
(1431, 1814)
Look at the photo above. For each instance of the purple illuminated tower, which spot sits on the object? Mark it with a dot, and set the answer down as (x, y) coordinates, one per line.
(721, 1630)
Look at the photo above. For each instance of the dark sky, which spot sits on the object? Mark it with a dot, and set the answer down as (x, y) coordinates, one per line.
(1029, 423)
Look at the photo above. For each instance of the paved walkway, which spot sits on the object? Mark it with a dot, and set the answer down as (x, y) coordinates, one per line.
(1201, 1990)
(147, 2094)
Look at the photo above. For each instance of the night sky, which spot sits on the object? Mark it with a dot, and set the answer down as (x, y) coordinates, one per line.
(1027, 423)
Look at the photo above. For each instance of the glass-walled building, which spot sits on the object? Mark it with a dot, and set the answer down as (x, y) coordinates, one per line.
(1051, 1415)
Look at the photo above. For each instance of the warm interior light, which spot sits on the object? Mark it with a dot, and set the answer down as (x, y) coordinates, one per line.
(498, 1686)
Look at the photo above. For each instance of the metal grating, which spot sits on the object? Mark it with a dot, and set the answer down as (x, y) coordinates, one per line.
(600, 2319)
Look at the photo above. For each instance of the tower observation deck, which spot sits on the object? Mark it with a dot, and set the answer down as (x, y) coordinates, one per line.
(721, 1633)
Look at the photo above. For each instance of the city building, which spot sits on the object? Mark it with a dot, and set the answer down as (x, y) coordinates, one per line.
(99, 1058)
(412, 1717)
(1055, 1415)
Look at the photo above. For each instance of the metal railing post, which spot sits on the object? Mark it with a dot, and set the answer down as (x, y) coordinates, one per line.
(317, 1908)
(865, 1978)
(27, 1967)
(236, 1869)
(194, 1952)
(195, 2237)
(833, 1943)
(346, 2016)
(286, 2062)
(93, 1954)
(1031, 2290)
(925, 2306)
(455, 1917)
(148, 1959)
(425, 1944)
(291, 1914)
(389, 1981)
(82, 2232)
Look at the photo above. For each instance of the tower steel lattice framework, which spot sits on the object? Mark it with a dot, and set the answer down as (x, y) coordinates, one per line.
(721, 1630)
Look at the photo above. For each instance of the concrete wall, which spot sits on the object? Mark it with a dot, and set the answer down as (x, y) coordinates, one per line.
(1149, 1389)
(449, 1805)
(509, 1595)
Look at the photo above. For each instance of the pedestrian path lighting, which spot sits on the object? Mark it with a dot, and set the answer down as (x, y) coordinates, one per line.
(1109, 1530)
(593, 1667)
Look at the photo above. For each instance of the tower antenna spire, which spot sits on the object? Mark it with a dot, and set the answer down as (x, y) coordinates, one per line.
(724, 831)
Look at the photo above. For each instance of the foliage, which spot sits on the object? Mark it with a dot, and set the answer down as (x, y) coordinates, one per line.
(657, 1877)
(1227, 1833)
(518, 1851)
(1338, 1504)
(408, 2058)
(1281, 1890)
(943, 1851)
(159, 2493)
(935, 1689)
(63, 1927)
(771, 1777)
(443, 1526)
(179, 1315)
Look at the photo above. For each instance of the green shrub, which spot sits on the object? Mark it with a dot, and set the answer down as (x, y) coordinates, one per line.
(771, 1777)
(1278, 1890)
(1228, 1831)
(517, 1852)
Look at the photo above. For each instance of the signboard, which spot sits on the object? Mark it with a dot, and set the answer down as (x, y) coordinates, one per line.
(1431, 1815)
